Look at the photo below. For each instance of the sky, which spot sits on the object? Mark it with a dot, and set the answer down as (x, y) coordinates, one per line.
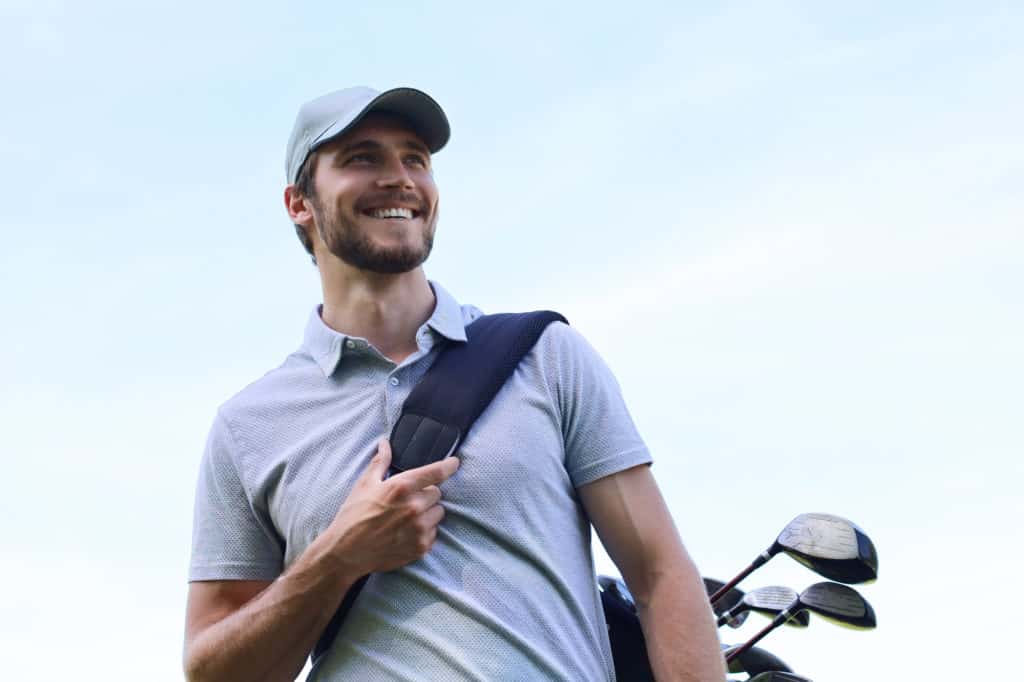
(792, 229)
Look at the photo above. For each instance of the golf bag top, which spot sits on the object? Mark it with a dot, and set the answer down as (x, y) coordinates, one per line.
(629, 648)
(442, 407)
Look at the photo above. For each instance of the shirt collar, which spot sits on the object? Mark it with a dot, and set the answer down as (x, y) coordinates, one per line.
(328, 346)
(446, 319)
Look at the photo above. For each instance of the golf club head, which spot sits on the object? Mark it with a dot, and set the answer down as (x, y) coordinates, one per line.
(773, 600)
(778, 676)
(840, 604)
(754, 661)
(617, 588)
(830, 546)
(731, 599)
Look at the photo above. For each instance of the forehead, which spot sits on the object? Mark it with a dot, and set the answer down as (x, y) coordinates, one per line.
(380, 127)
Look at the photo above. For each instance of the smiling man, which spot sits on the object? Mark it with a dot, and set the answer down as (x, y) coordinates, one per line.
(481, 563)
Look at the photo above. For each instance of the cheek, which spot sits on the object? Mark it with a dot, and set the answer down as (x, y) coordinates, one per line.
(429, 190)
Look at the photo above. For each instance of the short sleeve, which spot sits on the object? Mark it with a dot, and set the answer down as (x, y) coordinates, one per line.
(600, 436)
(230, 540)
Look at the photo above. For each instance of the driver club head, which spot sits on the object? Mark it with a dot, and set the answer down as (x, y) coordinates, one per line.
(830, 546)
(754, 661)
(778, 676)
(729, 601)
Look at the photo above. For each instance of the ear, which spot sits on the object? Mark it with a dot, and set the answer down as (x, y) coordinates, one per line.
(298, 207)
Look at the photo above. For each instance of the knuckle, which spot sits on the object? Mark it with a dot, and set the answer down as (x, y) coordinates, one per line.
(398, 490)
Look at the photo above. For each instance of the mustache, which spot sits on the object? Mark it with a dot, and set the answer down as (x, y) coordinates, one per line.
(392, 197)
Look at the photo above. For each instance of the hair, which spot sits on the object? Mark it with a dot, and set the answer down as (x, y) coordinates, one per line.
(304, 186)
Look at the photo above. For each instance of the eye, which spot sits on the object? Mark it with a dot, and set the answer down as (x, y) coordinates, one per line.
(361, 158)
(417, 160)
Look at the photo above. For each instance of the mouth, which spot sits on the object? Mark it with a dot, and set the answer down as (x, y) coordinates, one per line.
(392, 213)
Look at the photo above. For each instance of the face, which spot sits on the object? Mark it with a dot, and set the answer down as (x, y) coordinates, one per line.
(375, 204)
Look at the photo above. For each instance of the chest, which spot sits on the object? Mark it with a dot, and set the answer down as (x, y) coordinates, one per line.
(512, 460)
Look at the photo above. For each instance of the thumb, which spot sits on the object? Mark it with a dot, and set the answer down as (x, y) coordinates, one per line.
(381, 461)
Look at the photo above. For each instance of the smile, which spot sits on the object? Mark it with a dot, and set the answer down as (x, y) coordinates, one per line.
(392, 213)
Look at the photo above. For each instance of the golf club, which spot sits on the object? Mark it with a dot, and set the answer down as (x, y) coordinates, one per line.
(754, 661)
(768, 601)
(778, 676)
(838, 603)
(829, 545)
(727, 602)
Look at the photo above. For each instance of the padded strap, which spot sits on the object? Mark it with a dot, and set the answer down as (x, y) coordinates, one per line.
(461, 384)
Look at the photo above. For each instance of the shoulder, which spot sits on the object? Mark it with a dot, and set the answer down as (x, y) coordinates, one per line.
(562, 342)
(273, 391)
(254, 425)
(565, 361)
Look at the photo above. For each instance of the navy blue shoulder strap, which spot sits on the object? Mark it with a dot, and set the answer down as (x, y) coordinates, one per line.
(461, 384)
(442, 407)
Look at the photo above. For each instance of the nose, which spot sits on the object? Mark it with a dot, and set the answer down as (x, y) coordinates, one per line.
(395, 174)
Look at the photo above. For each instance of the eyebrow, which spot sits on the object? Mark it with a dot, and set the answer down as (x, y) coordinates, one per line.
(373, 145)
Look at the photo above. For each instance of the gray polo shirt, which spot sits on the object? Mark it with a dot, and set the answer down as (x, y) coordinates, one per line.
(507, 592)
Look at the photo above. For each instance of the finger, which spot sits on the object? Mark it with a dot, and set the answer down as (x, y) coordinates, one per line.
(432, 494)
(433, 516)
(428, 475)
(430, 539)
(425, 499)
(378, 466)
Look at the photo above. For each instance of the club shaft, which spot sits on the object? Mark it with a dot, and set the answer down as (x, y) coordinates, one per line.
(756, 564)
(735, 653)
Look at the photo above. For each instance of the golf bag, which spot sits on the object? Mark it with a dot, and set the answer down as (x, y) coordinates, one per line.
(438, 414)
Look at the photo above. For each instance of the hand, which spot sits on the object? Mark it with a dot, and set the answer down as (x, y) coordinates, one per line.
(384, 524)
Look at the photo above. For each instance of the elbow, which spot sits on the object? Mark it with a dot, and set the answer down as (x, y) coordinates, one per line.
(193, 670)
(195, 664)
(203, 662)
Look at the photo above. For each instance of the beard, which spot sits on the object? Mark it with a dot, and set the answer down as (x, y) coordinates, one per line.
(345, 239)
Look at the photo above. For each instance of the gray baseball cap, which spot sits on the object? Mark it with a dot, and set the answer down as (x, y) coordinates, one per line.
(326, 117)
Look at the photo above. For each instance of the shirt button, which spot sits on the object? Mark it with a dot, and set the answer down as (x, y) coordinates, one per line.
(394, 381)
(350, 344)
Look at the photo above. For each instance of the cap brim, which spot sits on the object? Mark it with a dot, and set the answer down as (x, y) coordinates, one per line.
(418, 108)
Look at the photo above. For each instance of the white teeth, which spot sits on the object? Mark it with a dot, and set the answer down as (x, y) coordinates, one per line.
(392, 213)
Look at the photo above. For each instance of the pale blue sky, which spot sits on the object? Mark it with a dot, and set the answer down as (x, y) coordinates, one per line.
(793, 230)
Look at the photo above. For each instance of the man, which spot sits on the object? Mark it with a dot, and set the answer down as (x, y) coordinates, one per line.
(481, 565)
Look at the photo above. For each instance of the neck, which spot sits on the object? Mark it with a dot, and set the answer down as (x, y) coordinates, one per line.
(386, 310)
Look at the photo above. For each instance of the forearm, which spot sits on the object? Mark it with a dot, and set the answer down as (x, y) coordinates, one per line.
(682, 640)
(270, 637)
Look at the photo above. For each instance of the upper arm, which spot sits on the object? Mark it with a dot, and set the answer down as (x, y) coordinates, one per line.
(599, 435)
(635, 527)
(234, 556)
(234, 537)
(211, 601)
